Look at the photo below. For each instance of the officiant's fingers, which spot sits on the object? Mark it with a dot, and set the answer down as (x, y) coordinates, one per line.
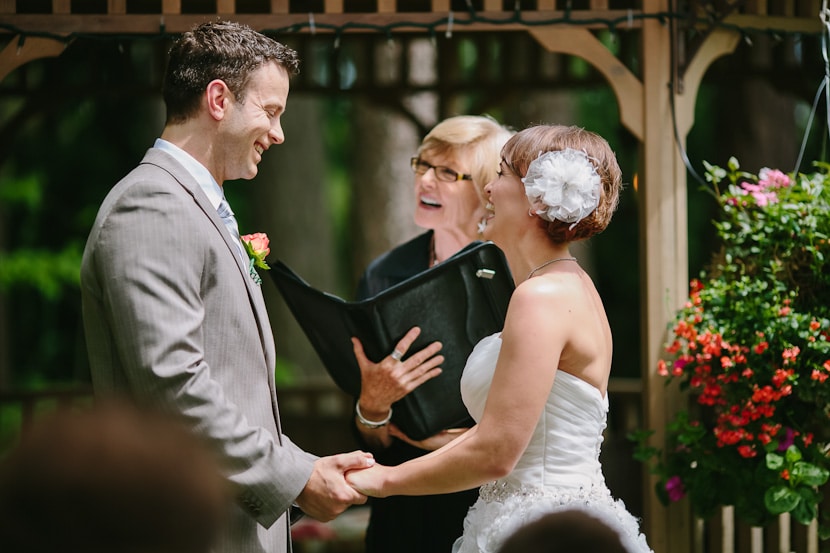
(422, 372)
(421, 363)
(359, 354)
(426, 353)
(405, 343)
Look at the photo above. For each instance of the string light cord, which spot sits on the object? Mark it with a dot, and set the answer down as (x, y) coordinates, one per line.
(824, 15)
(672, 92)
(470, 18)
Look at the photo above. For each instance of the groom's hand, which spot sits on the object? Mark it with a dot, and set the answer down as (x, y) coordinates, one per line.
(327, 494)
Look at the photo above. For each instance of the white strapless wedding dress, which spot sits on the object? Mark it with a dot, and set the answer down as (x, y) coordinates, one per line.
(560, 468)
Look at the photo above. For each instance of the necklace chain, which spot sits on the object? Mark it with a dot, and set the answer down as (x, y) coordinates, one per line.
(548, 262)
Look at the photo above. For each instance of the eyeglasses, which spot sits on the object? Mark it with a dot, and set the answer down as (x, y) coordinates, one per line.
(441, 173)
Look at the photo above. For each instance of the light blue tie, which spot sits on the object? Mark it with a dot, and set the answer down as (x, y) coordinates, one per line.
(226, 213)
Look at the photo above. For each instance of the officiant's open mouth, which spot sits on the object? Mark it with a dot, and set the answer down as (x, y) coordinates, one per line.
(429, 202)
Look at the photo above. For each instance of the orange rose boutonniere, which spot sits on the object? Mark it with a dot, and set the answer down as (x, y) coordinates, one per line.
(257, 247)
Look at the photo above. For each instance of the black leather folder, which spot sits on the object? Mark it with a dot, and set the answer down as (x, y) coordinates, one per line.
(457, 302)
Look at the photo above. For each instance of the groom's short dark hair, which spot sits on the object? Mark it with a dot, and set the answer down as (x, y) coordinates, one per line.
(223, 50)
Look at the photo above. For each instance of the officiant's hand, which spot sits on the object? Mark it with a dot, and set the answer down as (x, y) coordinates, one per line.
(389, 380)
(433, 442)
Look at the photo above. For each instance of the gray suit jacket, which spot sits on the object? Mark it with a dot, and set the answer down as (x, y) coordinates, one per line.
(173, 319)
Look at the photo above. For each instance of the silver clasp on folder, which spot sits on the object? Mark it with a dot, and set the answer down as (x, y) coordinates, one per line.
(485, 273)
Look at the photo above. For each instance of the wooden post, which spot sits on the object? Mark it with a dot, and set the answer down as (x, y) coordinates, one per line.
(225, 7)
(333, 6)
(116, 7)
(280, 6)
(387, 6)
(171, 6)
(440, 5)
(61, 6)
(664, 262)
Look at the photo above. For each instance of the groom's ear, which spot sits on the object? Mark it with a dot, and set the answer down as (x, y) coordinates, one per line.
(217, 98)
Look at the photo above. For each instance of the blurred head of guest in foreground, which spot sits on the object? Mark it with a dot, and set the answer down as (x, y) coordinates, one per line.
(110, 479)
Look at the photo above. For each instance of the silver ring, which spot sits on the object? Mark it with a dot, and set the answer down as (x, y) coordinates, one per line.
(396, 355)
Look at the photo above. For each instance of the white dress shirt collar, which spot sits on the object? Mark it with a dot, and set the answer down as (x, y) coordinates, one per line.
(198, 171)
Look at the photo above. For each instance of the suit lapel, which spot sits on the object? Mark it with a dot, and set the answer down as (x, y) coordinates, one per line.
(169, 164)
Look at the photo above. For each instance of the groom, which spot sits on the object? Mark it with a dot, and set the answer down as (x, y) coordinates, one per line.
(172, 315)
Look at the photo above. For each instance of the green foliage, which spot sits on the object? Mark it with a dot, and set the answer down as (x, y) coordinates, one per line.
(96, 130)
(24, 191)
(48, 272)
(752, 347)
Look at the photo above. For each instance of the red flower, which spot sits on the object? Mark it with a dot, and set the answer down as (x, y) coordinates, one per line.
(818, 375)
(789, 355)
(747, 452)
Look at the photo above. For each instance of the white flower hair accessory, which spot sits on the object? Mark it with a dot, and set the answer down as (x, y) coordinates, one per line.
(563, 185)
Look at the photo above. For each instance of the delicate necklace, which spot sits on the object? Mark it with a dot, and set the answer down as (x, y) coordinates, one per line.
(548, 262)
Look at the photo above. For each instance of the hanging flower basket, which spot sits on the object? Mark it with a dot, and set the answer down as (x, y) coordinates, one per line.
(752, 348)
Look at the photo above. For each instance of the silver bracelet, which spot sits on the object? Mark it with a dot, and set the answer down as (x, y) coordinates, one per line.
(371, 424)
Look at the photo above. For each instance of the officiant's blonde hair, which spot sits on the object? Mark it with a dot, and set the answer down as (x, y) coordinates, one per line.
(479, 138)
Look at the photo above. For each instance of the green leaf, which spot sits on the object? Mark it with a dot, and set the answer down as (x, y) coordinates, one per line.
(775, 462)
(781, 499)
(792, 454)
(808, 474)
(805, 511)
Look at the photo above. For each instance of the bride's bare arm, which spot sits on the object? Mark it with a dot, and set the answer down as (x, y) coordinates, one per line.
(532, 341)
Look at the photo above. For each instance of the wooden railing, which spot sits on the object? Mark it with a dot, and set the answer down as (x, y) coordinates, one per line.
(19, 409)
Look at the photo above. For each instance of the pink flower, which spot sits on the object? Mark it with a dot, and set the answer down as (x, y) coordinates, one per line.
(259, 243)
(257, 246)
(787, 440)
(773, 178)
(760, 192)
(675, 489)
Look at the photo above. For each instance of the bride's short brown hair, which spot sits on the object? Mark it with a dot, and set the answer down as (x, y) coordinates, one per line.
(528, 144)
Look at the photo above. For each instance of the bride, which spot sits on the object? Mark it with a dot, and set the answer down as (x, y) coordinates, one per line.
(538, 389)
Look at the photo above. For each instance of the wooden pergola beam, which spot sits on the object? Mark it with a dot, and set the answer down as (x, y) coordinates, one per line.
(20, 51)
(582, 43)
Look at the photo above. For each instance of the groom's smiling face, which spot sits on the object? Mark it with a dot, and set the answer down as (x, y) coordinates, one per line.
(251, 126)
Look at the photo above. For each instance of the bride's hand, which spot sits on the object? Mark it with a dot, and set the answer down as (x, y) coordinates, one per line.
(433, 442)
(367, 481)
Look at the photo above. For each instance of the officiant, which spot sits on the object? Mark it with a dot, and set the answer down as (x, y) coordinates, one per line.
(454, 162)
